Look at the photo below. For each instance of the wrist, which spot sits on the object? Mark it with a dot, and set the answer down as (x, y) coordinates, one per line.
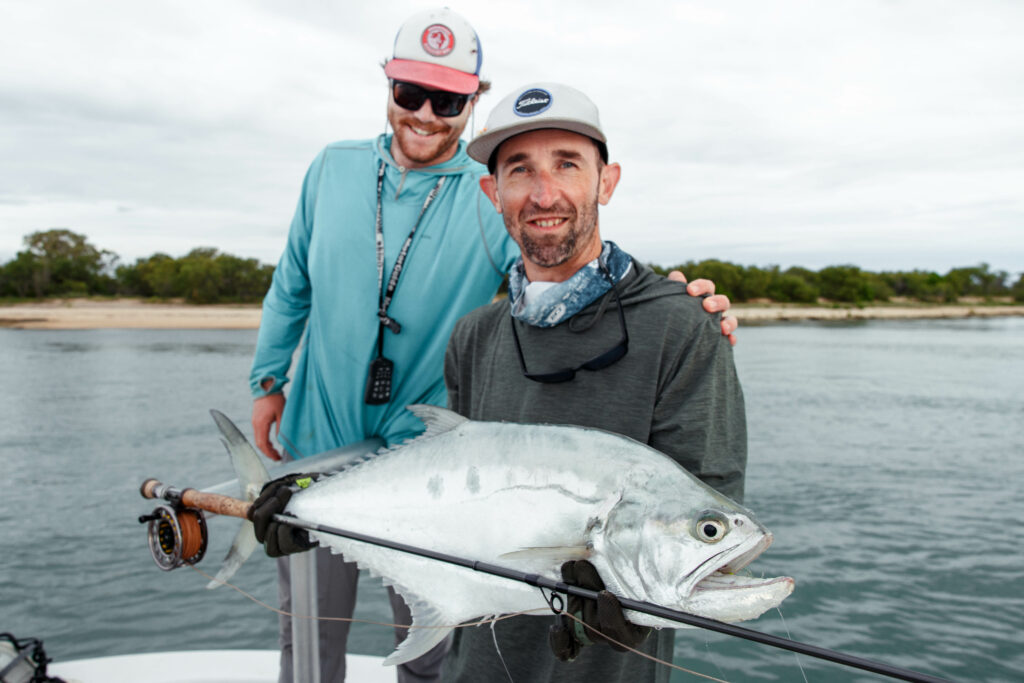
(268, 386)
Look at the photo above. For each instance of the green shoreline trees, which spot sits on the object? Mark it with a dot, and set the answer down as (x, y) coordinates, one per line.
(62, 263)
(850, 284)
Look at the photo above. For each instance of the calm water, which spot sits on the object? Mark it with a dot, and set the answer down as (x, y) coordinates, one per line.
(887, 458)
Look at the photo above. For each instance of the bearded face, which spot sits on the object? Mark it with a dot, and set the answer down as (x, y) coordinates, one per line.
(549, 237)
(421, 137)
(547, 185)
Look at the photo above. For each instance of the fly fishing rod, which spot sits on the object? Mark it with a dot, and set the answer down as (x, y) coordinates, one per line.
(177, 536)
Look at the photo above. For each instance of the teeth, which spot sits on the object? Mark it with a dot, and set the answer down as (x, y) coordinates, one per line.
(420, 131)
(549, 223)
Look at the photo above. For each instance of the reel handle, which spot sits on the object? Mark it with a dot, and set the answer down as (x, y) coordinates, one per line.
(196, 500)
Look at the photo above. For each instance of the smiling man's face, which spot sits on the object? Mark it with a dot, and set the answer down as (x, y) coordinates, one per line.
(421, 137)
(547, 185)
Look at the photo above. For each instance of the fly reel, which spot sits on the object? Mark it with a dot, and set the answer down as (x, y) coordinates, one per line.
(177, 536)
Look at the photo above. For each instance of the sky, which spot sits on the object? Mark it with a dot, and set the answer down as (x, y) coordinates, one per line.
(887, 134)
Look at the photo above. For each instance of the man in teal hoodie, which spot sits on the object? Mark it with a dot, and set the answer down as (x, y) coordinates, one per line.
(391, 243)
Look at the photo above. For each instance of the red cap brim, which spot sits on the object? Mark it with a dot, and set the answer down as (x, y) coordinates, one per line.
(432, 76)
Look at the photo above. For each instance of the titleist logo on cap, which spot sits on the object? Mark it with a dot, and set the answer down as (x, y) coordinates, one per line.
(532, 102)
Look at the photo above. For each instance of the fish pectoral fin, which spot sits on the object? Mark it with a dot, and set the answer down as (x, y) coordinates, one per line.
(603, 510)
(550, 553)
(429, 627)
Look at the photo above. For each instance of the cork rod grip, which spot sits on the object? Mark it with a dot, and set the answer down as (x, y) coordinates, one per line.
(198, 500)
(215, 502)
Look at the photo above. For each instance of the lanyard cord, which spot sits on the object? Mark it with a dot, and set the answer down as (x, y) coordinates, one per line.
(384, 298)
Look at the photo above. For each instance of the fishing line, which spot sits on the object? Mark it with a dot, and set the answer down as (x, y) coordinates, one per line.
(671, 665)
(191, 533)
(711, 655)
(560, 611)
(494, 636)
(790, 636)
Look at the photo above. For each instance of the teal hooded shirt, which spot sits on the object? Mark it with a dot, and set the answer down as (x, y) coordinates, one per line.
(324, 295)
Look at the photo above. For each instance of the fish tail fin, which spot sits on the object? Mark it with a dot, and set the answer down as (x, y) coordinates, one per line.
(245, 542)
(252, 475)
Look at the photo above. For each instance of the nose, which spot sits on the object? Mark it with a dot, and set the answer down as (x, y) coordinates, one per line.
(544, 191)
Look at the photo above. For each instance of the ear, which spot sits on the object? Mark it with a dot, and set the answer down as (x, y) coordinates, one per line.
(489, 185)
(610, 175)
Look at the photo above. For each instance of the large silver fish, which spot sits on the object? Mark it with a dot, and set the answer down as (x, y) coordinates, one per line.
(531, 497)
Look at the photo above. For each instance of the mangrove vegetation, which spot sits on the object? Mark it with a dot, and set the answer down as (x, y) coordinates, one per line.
(62, 263)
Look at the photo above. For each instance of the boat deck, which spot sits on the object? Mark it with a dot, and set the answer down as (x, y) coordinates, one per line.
(201, 666)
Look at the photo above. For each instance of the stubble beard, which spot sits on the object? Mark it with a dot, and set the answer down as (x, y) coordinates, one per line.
(429, 155)
(553, 250)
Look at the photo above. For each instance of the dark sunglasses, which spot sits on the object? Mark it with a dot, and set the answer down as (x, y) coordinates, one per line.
(602, 361)
(411, 96)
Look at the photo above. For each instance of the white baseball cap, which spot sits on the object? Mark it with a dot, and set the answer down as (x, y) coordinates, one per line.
(537, 106)
(437, 49)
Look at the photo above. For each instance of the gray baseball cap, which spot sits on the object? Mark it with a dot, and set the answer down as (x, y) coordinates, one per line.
(537, 106)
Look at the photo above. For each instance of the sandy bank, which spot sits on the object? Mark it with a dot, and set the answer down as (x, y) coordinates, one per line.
(79, 314)
(83, 314)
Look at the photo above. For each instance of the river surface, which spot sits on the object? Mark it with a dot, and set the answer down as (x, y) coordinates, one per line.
(886, 457)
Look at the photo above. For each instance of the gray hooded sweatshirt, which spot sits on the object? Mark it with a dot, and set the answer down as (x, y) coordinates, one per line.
(676, 389)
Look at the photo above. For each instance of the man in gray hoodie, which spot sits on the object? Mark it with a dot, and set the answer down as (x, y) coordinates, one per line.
(589, 337)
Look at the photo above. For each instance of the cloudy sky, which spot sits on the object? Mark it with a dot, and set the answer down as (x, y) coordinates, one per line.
(884, 133)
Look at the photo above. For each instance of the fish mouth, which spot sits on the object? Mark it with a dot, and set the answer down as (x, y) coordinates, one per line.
(715, 591)
(722, 594)
(719, 571)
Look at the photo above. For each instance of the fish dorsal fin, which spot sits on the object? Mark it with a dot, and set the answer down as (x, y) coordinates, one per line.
(419, 640)
(560, 553)
(437, 420)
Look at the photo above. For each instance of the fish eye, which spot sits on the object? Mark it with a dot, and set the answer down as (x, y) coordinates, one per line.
(711, 527)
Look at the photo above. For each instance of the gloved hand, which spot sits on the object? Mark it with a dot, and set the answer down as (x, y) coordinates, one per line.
(603, 616)
(279, 539)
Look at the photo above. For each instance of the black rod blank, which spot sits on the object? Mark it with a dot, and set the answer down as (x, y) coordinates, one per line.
(635, 605)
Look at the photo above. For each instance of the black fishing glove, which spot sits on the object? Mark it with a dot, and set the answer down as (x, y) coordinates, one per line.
(279, 539)
(603, 615)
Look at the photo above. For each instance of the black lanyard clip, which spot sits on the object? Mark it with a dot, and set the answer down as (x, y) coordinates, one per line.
(389, 323)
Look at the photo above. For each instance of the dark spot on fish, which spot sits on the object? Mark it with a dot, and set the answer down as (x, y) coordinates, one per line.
(435, 486)
(473, 480)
